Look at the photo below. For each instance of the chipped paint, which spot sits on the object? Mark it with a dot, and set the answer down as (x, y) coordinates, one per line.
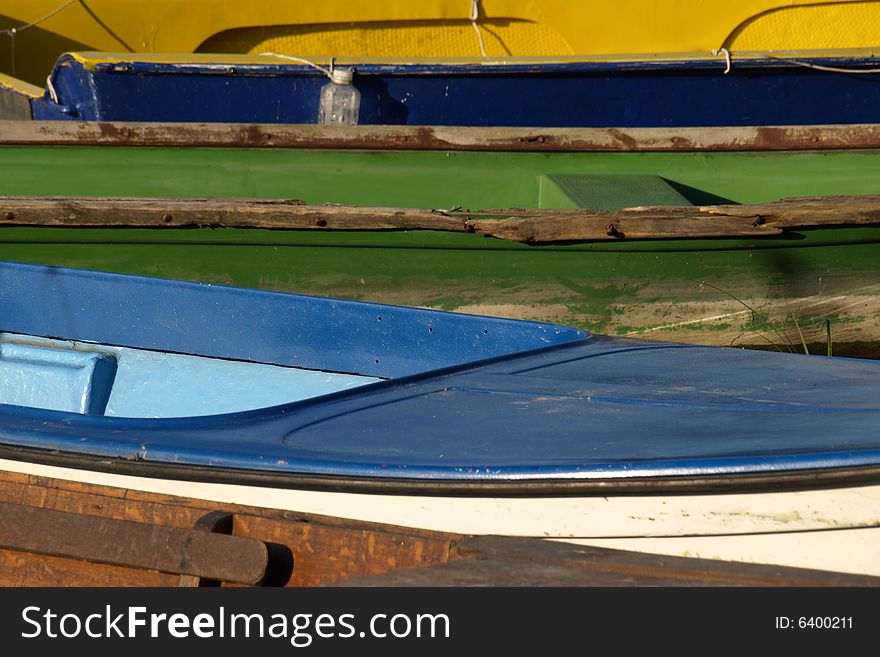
(763, 138)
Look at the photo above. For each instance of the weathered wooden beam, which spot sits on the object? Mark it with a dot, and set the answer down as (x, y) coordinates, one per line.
(653, 223)
(534, 226)
(624, 564)
(805, 212)
(513, 561)
(103, 212)
(664, 222)
(218, 522)
(732, 138)
(98, 539)
(325, 549)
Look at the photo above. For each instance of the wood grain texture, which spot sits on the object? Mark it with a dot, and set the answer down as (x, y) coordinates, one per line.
(329, 551)
(131, 544)
(727, 138)
(510, 561)
(531, 226)
(324, 549)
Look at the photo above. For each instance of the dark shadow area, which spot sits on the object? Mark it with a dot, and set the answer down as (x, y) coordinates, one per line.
(377, 104)
(36, 51)
(698, 196)
(280, 567)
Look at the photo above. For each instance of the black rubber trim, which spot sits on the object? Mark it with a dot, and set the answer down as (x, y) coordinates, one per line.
(827, 478)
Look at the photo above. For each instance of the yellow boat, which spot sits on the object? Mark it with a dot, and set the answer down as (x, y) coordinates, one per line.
(36, 32)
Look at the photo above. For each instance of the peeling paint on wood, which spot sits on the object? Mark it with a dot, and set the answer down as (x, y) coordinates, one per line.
(759, 138)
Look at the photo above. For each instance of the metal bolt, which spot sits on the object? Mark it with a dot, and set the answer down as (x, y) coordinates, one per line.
(167, 218)
(9, 216)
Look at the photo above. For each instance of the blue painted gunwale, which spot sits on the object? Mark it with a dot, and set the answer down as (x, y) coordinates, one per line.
(469, 400)
(692, 92)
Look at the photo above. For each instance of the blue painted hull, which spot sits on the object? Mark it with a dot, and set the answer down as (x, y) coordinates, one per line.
(552, 94)
(463, 401)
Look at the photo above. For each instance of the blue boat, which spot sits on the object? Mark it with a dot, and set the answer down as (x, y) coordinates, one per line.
(696, 90)
(439, 420)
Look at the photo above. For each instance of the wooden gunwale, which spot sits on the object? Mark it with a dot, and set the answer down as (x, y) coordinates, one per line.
(807, 137)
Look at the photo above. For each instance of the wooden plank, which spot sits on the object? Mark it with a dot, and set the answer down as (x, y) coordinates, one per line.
(92, 212)
(573, 226)
(665, 222)
(734, 138)
(509, 561)
(29, 569)
(331, 551)
(532, 226)
(13, 106)
(132, 544)
(325, 549)
(217, 522)
(805, 212)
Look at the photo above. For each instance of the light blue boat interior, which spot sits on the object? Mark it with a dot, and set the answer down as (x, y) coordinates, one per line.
(95, 379)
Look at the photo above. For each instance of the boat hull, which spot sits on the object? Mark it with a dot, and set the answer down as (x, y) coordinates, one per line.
(689, 91)
(832, 529)
(744, 296)
(441, 28)
(466, 424)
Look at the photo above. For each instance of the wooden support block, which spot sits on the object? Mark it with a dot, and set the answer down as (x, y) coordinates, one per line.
(193, 552)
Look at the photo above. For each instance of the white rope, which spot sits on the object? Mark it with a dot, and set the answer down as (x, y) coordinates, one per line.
(727, 59)
(819, 67)
(325, 71)
(475, 16)
(51, 89)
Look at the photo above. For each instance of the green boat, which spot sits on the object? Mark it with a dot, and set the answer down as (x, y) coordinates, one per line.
(436, 214)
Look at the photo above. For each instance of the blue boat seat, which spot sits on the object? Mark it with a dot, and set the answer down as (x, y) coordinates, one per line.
(59, 379)
(94, 379)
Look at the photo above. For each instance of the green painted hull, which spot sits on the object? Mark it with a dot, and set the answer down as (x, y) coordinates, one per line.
(762, 292)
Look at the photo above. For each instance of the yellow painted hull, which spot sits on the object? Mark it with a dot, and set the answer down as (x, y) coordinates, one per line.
(426, 28)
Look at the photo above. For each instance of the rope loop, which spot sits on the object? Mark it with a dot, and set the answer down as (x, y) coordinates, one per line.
(475, 16)
(727, 58)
